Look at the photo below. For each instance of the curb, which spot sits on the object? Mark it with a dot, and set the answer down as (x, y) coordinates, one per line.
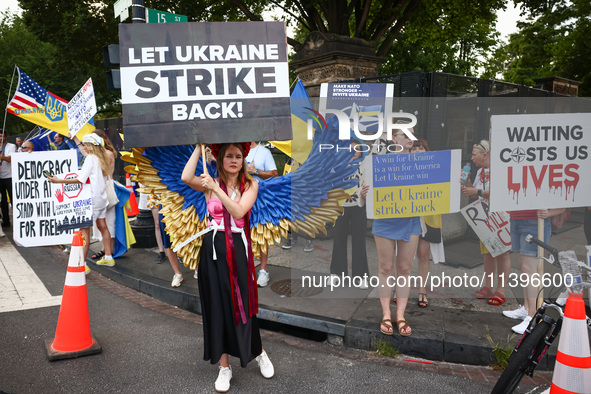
(427, 344)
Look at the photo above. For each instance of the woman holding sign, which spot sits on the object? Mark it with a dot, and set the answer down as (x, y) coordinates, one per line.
(227, 285)
(499, 266)
(95, 170)
(400, 235)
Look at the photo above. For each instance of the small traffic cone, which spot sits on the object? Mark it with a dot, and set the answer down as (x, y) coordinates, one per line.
(72, 335)
(134, 210)
(572, 373)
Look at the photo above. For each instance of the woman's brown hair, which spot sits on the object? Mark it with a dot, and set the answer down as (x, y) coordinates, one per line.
(421, 142)
(242, 174)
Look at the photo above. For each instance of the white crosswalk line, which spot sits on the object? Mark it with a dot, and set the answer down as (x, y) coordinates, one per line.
(20, 287)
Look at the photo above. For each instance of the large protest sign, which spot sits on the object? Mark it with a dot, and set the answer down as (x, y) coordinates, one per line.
(81, 108)
(538, 161)
(413, 184)
(210, 82)
(45, 213)
(492, 228)
(364, 110)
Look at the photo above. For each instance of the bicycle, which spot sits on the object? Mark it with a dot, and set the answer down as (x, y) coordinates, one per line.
(543, 328)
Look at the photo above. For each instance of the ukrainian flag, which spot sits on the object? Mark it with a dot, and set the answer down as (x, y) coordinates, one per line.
(41, 107)
(301, 110)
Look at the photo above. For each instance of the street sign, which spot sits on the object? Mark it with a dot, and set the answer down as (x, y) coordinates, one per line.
(121, 8)
(155, 16)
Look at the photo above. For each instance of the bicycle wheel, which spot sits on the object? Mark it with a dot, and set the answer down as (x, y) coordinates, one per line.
(512, 375)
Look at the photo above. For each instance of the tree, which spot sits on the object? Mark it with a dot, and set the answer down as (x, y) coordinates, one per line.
(552, 41)
(80, 28)
(448, 36)
(40, 60)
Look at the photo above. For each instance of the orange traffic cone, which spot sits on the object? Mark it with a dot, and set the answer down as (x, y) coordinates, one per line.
(572, 373)
(72, 335)
(132, 200)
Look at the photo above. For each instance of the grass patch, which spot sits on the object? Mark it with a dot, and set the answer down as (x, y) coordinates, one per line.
(501, 350)
(385, 349)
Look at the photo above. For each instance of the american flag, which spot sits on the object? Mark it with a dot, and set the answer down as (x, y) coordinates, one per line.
(28, 93)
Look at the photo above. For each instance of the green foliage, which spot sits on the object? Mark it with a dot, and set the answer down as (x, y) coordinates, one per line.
(501, 351)
(383, 348)
(21, 47)
(552, 41)
(450, 36)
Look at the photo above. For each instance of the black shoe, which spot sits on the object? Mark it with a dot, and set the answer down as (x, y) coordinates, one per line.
(161, 257)
(5, 224)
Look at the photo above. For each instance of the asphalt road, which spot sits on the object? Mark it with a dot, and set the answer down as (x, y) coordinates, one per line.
(151, 347)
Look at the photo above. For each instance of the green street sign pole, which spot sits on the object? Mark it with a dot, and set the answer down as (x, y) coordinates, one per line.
(155, 16)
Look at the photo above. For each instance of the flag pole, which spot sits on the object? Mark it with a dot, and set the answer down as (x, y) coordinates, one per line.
(8, 98)
(204, 159)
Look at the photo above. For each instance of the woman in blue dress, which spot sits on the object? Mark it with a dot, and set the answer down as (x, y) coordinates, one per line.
(397, 237)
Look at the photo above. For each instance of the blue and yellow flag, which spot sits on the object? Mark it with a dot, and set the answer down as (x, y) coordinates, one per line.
(301, 110)
(41, 107)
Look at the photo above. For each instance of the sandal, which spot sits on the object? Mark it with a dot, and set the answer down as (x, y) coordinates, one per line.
(404, 327)
(483, 293)
(423, 302)
(98, 255)
(388, 324)
(497, 299)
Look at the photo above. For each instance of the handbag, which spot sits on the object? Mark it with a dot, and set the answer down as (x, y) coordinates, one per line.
(111, 195)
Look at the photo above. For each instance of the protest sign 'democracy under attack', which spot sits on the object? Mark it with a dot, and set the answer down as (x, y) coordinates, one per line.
(46, 213)
(540, 161)
(207, 82)
(413, 184)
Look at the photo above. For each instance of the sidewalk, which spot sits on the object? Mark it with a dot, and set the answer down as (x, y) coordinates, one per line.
(452, 328)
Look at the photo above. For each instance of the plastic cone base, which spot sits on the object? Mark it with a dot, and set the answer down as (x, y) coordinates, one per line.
(53, 355)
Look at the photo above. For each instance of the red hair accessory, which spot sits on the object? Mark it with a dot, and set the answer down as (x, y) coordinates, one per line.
(215, 148)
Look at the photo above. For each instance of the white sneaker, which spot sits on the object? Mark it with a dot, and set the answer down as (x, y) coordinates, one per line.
(222, 383)
(309, 247)
(196, 275)
(263, 278)
(519, 313)
(364, 284)
(265, 365)
(176, 280)
(521, 327)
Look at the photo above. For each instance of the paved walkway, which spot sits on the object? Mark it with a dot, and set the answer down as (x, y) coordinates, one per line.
(451, 329)
(20, 287)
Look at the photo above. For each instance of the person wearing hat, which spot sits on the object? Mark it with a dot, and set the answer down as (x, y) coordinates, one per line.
(226, 275)
(95, 170)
